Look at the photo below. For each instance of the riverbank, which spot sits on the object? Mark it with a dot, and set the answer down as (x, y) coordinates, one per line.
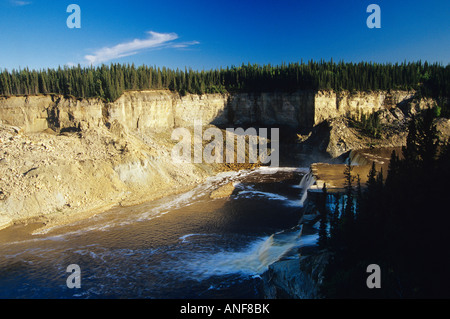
(63, 159)
(181, 246)
(55, 178)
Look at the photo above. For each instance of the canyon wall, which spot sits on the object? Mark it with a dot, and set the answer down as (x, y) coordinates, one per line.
(162, 110)
(62, 157)
(330, 104)
(37, 113)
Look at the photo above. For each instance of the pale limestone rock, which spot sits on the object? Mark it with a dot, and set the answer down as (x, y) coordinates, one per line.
(162, 110)
(5, 221)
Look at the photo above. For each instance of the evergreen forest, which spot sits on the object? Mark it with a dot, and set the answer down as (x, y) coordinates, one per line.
(108, 82)
(398, 221)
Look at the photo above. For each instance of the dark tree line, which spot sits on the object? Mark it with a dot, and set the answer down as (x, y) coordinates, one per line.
(400, 223)
(108, 82)
(369, 125)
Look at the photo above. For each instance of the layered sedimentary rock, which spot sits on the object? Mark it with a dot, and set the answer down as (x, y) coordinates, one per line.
(330, 104)
(162, 110)
(37, 113)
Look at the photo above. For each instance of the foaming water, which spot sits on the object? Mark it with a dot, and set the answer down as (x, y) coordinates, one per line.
(270, 196)
(252, 260)
(182, 246)
(307, 181)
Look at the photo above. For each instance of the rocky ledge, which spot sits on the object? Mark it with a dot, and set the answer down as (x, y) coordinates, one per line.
(296, 278)
(338, 136)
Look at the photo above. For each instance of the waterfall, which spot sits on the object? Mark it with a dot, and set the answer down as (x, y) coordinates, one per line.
(276, 246)
(358, 158)
(253, 260)
(307, 181)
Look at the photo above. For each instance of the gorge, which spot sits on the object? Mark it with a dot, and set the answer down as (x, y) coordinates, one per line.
(64, 160)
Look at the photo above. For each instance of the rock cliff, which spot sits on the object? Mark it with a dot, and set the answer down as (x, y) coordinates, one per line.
(295, 278)
(60, 155)
(161, 110)
(329, 104)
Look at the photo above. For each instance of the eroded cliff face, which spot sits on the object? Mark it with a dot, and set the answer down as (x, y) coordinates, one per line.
(161, 110)
(330, 104)
(272, 109)
(61, 156)
(37, 113)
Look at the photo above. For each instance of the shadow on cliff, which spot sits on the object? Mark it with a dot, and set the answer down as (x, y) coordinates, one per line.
(288, 141)
(314, 148)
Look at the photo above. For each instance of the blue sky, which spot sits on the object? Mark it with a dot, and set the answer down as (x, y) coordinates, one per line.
(211, 34)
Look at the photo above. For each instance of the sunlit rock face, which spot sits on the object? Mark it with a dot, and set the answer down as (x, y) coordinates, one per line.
(159, 110)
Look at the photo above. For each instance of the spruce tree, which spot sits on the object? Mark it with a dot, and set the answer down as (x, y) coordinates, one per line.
(334, 223)
(323, 211)
(427, 139)
(348, 213)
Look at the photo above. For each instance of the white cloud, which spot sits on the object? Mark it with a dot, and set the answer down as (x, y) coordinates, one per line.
(20, 3)
(184, 44)
(155, 40)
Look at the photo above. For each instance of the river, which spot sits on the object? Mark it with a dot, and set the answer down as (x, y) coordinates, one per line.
(181, 246)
